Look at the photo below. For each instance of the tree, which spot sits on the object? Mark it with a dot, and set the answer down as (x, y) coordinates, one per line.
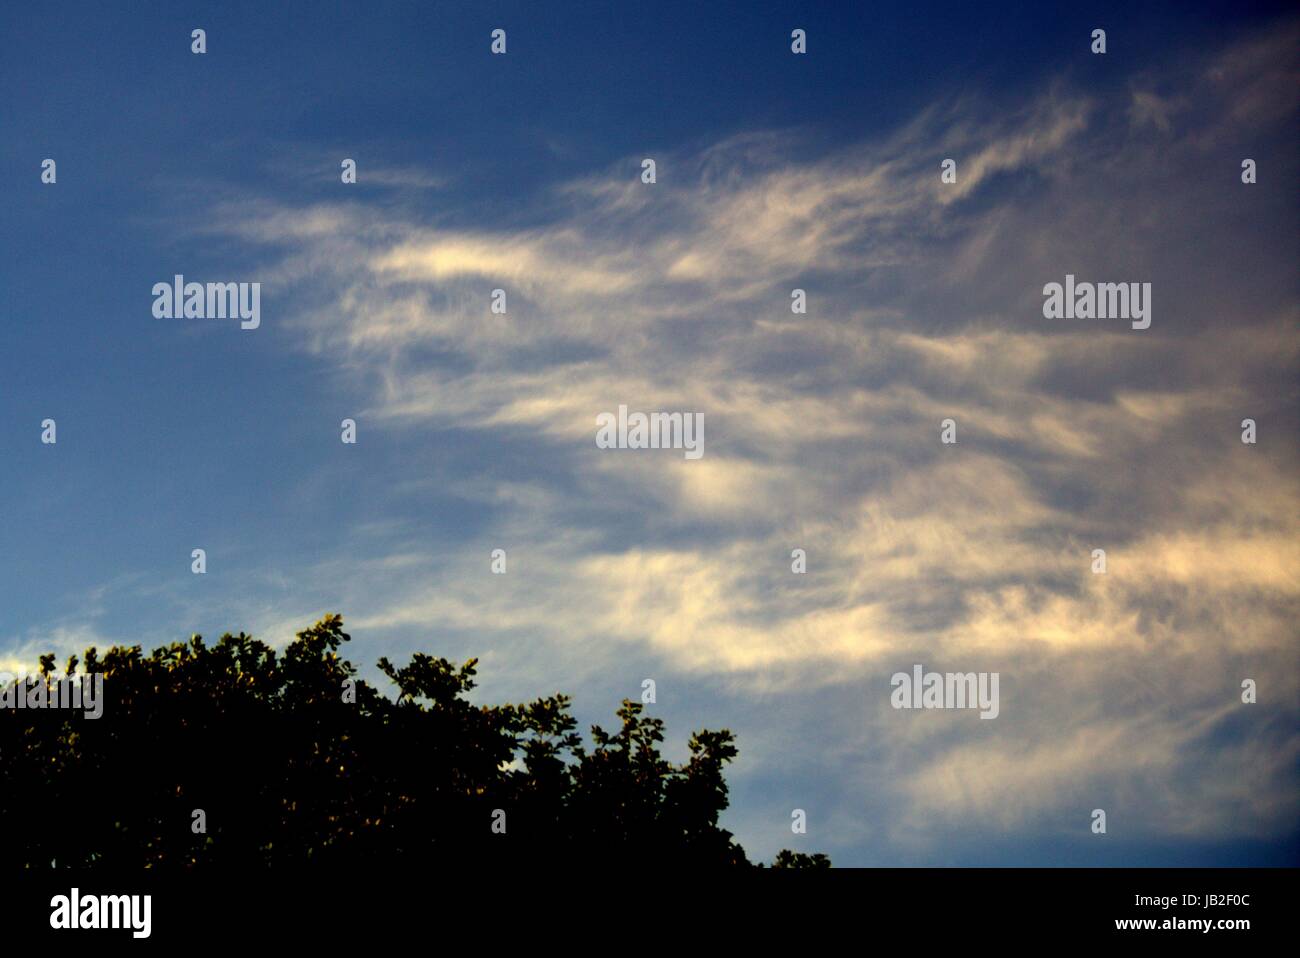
(293, 760)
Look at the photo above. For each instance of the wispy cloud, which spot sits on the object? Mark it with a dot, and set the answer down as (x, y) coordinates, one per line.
(823, 434)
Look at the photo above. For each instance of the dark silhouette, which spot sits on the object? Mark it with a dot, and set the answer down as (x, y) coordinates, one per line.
(295, 762)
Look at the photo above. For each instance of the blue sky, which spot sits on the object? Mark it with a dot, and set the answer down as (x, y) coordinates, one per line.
(775, 171)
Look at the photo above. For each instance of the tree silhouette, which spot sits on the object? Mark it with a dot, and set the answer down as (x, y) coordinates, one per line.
(295, 761)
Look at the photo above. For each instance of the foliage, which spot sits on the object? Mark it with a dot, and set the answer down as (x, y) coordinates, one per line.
(290, 770)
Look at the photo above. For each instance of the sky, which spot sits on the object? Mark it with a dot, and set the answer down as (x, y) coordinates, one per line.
(774, 171)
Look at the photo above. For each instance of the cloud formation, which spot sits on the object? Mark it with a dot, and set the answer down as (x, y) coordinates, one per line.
(924, 303)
